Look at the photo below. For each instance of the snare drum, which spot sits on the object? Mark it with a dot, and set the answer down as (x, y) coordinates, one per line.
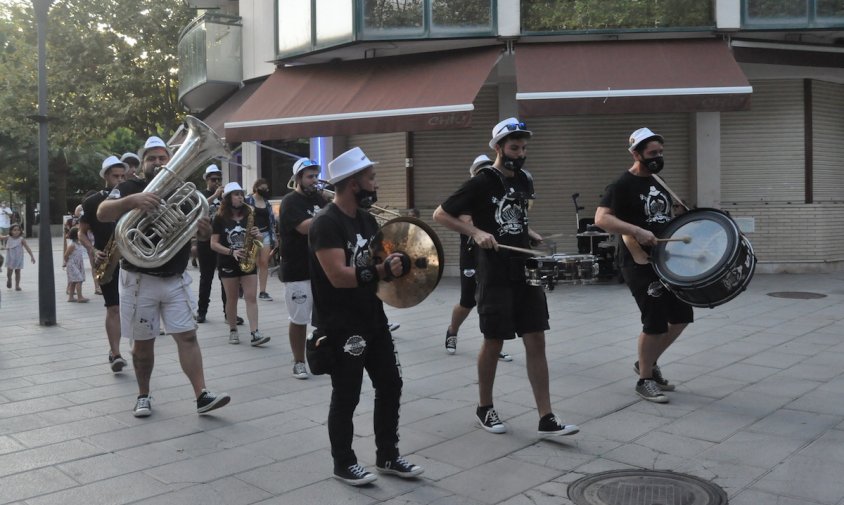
(548, 271)
(713, 267)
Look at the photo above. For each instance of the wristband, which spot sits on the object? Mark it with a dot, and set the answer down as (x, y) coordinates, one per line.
(366, 275)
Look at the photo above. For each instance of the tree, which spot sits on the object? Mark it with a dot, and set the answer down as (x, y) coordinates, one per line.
(111, 64)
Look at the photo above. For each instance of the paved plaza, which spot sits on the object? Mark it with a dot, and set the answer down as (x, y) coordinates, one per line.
(759, 406)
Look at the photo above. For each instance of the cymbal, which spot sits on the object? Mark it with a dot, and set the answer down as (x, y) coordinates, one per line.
(419, 241)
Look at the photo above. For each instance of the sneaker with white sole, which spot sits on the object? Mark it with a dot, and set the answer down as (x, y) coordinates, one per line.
(299, 370)
(263, 295)
(400, 467)
(117, 362)
(234, 337)
(649, 390)
(258, 339)
(143, 406)
(656, 374)
(550, 425)
(354, 475)
(503, 356)
(208, 401)
(488, 418)
(450, 342)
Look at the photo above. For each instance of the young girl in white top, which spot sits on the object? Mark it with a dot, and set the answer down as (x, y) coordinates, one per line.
(15, 246)
(74, 258)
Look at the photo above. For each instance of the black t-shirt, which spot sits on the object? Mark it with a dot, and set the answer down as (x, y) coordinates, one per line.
(102, 231)
(355, 309)
(233, 234)
(641, 201)
(498, 205)
(177, 264)
(295, 208)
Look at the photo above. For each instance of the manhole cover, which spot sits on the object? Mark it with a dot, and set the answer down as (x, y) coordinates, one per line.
(644, 487)
(797, 295)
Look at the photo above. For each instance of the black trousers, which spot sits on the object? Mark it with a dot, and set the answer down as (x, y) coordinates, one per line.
(207, 267)
(380, 360)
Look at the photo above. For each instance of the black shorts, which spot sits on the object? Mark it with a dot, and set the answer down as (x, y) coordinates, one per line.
(111, 293)
(468, 284)
(510, 310)
(658, 305)
(227, 272)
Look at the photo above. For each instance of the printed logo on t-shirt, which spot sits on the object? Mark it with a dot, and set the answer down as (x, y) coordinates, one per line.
(236, 236)
(299, 297)
(655, 289)
(657, 208)
(360, 255)
(114, 194)
(510, 213)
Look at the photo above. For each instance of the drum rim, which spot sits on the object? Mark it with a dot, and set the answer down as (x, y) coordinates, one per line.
(733, 246)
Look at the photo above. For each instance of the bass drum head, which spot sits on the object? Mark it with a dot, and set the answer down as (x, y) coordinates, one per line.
(713, 241)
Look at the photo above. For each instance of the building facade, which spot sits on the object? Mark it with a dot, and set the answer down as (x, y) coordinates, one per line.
(749, 95)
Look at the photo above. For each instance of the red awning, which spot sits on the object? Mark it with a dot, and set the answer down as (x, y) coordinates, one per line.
(400, 93)
(689, 75)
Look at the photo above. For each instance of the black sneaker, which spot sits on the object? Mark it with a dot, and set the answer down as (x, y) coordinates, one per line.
(238, 319)
(263, 295)
(354, 475)
(400, 466)
(258, 339)
(117, 362)
(143, 406)
(208, 401)
(200, 318)
(450, 342)
(656, 374)
(550, 425)
(649, 390)
(489, 420)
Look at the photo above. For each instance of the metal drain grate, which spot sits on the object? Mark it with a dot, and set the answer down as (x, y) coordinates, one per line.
(797, 295)
(644, 487)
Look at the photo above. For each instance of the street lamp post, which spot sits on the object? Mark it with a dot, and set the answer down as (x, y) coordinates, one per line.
(46, 280)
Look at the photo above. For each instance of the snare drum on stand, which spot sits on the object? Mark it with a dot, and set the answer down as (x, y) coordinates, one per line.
(600, 244)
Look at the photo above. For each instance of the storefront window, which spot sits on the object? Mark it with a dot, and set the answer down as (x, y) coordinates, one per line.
(589, 15)
(294, 26)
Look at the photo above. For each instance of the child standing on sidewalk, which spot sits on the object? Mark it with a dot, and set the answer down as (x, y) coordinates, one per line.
(15, 246)
(74, 258)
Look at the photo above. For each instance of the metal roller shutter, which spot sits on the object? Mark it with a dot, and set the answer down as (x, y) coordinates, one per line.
(388, 149)
(582, 154)
(762, 153)
(828, 141)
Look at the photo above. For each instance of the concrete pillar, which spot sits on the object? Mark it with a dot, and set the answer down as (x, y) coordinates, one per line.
(705, 165)
(251, 169)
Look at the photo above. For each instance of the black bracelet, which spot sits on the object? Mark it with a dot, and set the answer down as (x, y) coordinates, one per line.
(366, 275)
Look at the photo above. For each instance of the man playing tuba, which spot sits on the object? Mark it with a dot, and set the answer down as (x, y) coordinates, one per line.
(149, 296)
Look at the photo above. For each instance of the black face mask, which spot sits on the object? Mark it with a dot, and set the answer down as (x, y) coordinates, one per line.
(514, 164)
(265, 194)
(654, 165)
(366, 198)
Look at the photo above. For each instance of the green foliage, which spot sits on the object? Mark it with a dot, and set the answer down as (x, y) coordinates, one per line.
(563, 15)
(776, 8)
(112, 81)
(393, 13)
(461, 12)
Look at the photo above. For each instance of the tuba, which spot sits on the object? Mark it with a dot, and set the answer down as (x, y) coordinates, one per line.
(151, 239)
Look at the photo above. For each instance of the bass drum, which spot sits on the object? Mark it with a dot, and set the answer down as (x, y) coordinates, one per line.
(713, 266)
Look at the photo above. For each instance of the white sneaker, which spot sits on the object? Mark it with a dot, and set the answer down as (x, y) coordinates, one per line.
(299, 370)
(234, 338)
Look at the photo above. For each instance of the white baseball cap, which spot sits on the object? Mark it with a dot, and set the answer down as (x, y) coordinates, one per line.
(506, 127)
(303, 163)
(152, 143)
(349, 163)
(640, 135)
(212, 169)
(232, 186)
(478, 163)
(126, 156)
(111, 161)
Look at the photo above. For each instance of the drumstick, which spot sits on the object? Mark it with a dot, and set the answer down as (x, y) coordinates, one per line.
(685, 240)
(521, 250)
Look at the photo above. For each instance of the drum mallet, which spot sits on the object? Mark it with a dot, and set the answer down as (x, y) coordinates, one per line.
(685, 240)
(521, 250)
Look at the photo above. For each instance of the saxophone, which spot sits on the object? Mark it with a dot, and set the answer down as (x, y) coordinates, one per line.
(105, 268)
(251, 247)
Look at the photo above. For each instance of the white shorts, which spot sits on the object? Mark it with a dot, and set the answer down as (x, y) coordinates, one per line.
(300, 302)
(147, 300)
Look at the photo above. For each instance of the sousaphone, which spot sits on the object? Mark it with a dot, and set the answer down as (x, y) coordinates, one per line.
(418, 240)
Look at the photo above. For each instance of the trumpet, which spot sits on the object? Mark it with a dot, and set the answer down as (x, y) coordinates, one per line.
(381, 214)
